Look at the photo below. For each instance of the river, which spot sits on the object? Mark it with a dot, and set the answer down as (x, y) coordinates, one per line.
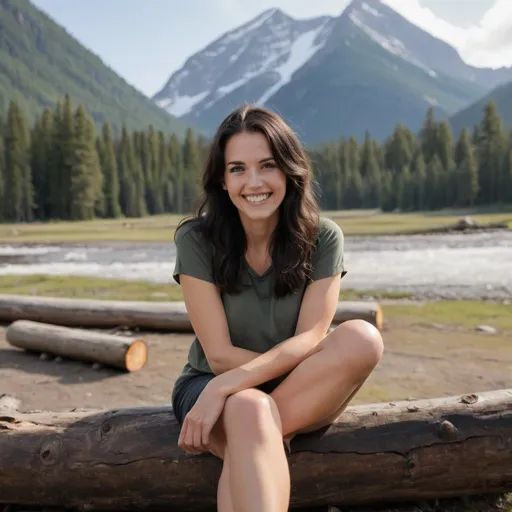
(477, 265)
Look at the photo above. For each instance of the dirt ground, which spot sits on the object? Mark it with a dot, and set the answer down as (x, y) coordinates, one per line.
(420, 361)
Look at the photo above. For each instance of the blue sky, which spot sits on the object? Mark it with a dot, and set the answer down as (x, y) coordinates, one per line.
(146, 40)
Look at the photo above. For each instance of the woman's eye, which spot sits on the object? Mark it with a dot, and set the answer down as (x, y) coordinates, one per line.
(236, 169)
(269, 165)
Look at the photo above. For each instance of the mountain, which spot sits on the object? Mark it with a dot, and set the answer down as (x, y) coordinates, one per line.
(254, 61)
(40, 62)
(468, 117)
(366, 69)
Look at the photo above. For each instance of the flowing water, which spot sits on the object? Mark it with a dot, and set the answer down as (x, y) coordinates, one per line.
(477, 265)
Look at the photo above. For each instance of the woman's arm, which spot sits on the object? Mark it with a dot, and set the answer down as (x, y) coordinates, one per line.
(316, 314)
(207, 316)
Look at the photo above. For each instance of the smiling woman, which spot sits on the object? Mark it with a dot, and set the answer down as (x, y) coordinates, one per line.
(260, 272)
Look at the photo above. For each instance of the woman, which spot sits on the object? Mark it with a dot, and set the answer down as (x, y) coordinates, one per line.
(260, 273)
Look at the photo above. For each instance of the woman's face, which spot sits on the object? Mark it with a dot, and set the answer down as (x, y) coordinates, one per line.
(255, 185)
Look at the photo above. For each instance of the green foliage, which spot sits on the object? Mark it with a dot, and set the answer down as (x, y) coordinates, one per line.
(428, 172)
(63, 169)
(40, 62)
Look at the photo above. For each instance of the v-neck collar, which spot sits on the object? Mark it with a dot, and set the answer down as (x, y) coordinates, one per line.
(255, 274)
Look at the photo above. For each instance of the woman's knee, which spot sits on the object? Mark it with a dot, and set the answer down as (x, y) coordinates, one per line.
(251, 412)
(356, 342)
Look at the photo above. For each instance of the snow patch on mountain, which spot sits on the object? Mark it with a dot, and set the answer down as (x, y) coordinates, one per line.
(371, 10)
(303, 48)
(387, 41)
(182, 105)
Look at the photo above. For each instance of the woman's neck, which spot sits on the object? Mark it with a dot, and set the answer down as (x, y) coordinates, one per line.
(258, 234)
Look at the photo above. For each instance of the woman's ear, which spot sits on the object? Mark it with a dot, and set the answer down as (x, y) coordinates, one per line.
(223, 184)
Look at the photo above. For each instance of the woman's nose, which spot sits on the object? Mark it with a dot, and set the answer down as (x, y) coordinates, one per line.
(254, 178)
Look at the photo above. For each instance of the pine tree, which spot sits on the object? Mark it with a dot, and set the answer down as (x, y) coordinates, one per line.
(84, 169)
(2, 170)
(419, 177)
(110, 176)
(192, 185)
(466, 171)
(428, 136)
(398, 150)
(18, 191)
(405, 190)
(370, 172)
(433, 183)
(507, 172)
(445, 151)
(491, 153)
(64, 147)
(125, 168)
(41, 160)
(176, 159)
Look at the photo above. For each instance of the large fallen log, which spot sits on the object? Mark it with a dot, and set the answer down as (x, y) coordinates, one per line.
(129, 354)
(128, 459)
(163, 316)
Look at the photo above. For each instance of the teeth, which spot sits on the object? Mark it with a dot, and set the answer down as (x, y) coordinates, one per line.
(257, 199)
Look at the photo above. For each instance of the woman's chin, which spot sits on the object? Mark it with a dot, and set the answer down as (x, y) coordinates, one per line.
(255, 215)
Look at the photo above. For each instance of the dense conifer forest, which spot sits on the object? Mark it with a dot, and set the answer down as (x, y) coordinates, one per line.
(62, 168)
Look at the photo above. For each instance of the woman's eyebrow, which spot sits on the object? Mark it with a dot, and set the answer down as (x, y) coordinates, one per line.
(239, 162)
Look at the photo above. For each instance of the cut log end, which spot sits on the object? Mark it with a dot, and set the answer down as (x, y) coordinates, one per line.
(136, 356)
(379, 317)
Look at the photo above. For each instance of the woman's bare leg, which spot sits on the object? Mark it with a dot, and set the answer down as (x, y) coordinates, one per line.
(224, 500)
(248, 437)
(258, 467)
(317, 390)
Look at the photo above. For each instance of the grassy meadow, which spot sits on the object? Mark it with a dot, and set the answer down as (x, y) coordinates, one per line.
(160, 228)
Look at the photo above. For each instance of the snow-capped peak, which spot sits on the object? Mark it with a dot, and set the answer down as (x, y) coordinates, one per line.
(263, 54)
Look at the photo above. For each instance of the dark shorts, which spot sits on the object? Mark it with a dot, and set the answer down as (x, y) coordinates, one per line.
(187, 392)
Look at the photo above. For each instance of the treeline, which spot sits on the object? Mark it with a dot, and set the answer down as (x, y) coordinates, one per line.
(61, 168)
(430, 171)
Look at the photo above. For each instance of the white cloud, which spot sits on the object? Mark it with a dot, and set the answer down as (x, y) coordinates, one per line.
(488, 44)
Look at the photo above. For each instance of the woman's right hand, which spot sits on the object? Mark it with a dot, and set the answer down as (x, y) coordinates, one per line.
(200, 420)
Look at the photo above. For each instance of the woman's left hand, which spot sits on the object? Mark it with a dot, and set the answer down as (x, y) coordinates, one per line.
(197, 426)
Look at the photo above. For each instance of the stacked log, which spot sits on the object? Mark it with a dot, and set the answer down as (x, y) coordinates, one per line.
(128, 459)
(163, 316)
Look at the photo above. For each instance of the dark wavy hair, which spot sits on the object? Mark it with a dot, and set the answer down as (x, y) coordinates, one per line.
(293, 240)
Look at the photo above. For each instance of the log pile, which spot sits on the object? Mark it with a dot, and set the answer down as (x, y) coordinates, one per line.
(159, 316)
(128, 459)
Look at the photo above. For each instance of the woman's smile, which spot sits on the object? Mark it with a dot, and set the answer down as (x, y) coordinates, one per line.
(257, 199)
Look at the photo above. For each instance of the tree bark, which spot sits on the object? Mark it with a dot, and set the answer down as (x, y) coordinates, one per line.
(128, 459)
(164, 316)
(126, 353)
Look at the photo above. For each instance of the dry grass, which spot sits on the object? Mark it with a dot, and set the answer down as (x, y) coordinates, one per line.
(115, 289)
(160, 228)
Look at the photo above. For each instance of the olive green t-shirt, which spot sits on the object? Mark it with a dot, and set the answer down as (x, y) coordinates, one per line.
(257, 320)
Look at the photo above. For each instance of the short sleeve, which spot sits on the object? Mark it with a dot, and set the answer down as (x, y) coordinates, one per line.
(329, 256)
(192, 255)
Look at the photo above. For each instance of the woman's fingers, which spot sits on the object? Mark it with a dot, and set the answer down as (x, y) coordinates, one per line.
(197, 437)
(206, 430)
(183, 431)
